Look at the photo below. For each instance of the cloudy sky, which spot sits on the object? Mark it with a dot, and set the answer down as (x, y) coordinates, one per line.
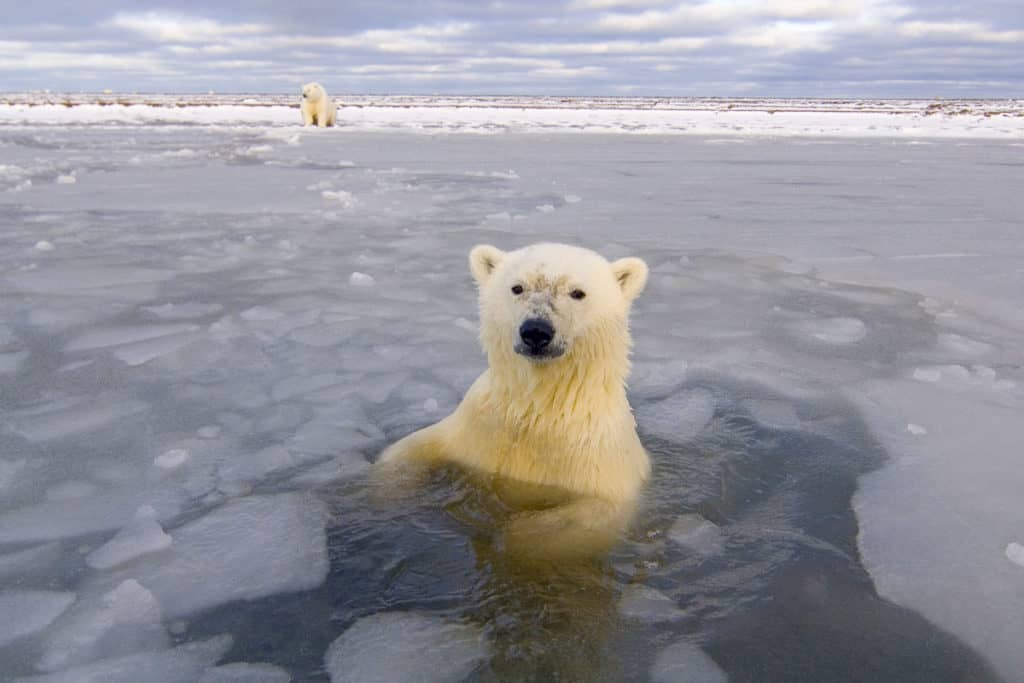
(866, 48)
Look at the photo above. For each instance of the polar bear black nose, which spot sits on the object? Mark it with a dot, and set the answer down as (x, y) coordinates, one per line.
(536, 333)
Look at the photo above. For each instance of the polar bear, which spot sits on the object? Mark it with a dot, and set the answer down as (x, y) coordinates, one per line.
(551, 408)
(317, 108)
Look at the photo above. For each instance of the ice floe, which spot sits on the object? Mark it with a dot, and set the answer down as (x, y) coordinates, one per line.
(400, 646)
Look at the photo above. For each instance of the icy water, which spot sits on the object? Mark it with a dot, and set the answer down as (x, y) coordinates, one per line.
(207, 334)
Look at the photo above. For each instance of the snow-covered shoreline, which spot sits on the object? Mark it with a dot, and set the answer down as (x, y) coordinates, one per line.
(979, 119)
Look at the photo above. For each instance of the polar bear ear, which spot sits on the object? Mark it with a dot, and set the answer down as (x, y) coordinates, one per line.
(631, 274)
(483, 259)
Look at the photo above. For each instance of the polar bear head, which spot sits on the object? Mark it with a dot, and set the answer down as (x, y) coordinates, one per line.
(553, 301)
(312, 92)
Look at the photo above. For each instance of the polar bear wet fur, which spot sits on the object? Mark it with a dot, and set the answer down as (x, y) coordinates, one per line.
(551, 408)
(317, 107)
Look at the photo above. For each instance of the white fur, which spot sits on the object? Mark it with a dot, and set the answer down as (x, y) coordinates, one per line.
(317, 107)
(562, 422)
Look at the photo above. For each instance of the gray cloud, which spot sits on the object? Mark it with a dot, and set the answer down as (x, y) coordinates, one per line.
(657, 47)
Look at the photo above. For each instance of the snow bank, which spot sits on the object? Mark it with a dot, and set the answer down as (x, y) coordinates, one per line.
(433, 115)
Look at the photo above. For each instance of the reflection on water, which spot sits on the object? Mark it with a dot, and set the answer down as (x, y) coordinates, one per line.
(742, 563)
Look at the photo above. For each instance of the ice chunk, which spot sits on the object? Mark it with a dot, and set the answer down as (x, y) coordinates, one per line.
(697, 534)
(260, 314)
(322, 336)
(300, 384)
(290, 555)
(683, 662)
(242, 672)
(208, 432)
(346, 199)
(29, 561)
(648, 605)
(106, 511)
(142, 535)
(324, 437)
(961, 345)
(963, 378)
(61, 280)
(467, 325)
(142, 352)
(357, 279)
(929, 374)
(573, 199)
(122, 621)
(184, 664)
(405, 646)
(69, 490)
(183, 311)
(249, 468)
(344, 466)
(29, 611)
(834, 330)
(916, 429)
(172, 459)
(9, 470)
(680, 417)
(1015, 553)
(116, 336)
(10, 362)
(67, 179)
(774, 413)
(43, 245)
(63, 419)
(651, 379)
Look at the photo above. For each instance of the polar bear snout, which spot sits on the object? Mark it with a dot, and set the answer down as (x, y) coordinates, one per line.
(535, 340)
(536, 333)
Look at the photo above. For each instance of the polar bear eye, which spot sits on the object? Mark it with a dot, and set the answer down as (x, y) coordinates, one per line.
(517, 289)
(577, 294)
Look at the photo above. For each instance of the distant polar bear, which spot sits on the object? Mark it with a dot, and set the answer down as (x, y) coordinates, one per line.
(551, 408)
(317, 107)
